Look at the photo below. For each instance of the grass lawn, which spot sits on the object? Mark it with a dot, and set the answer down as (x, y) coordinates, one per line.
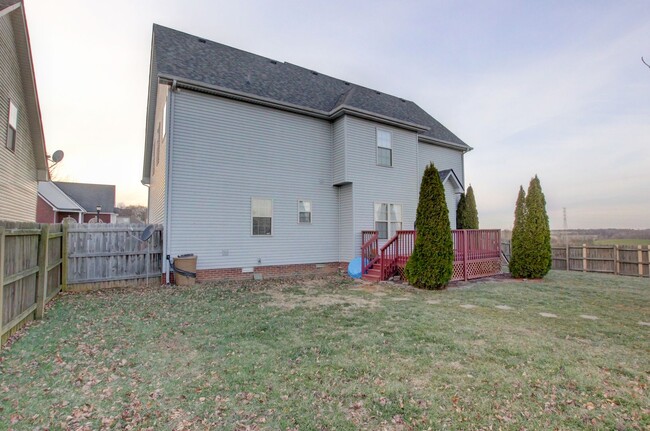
(329, 354)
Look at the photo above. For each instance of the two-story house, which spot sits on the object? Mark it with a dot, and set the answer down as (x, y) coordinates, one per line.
(23, 158)
(257, 165)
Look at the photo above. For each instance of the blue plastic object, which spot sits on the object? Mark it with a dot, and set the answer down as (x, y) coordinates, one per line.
(354, 268)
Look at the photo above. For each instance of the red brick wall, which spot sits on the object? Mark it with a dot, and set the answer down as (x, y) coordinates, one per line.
(278, 271)
(106, 218)
(44, 212)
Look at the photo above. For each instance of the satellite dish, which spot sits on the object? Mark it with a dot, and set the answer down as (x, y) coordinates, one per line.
(57, 156)
(147, 232)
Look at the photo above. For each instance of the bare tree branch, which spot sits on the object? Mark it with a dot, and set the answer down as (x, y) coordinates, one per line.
(645, 62)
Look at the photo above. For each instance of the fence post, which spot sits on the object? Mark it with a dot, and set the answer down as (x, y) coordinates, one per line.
(584, 257)
(566, 256)
(41, 278)
(64, 257)
(640, 259)
(2, 276)
(617, 262)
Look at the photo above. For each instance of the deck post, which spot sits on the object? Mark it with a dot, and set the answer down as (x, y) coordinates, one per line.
(464, 233)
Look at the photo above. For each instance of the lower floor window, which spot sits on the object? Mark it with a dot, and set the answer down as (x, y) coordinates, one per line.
(388, 219)
(262, 216)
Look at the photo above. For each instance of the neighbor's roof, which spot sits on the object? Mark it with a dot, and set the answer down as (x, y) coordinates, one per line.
(57, 198)
(4, 4)
(90, 195)
(199, 62)
(14, 10)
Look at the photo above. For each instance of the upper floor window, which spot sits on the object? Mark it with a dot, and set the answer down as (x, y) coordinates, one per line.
(262, 216)
(13, 126)
(384, 148)
(388, 219)
(304, 211)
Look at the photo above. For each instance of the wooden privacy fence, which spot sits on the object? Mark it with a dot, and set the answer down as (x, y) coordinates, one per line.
(30, 272)
(103, 255)
(621, 260)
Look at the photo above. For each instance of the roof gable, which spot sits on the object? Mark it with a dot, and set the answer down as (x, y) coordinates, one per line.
(15, 11)
(57, 198)
(450, 175)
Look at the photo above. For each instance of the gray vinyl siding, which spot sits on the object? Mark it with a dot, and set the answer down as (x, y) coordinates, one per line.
(442, 157)
(158, 175)
(372, 183)
(339, 160)
(18, 174)
(223, 153)
(346, 228)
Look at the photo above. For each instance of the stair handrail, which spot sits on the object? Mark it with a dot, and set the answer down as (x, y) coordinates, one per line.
(388, 257)
(369, 250)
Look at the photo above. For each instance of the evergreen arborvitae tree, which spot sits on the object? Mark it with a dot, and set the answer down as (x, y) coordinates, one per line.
(538, 233)
(431, 264)
(516, 250)
(531, 251)
(461, 211)
(471, 213)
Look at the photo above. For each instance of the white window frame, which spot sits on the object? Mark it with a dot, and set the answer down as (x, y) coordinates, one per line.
(390, 230)
(311, 211)
(379, 145)
(253, 199)
(164, 119)
(12, 125)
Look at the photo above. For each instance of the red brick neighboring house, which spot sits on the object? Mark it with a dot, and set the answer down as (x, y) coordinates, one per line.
(58, 200)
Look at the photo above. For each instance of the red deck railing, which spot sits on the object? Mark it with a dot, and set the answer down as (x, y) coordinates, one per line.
(477, 252)
(369, 249)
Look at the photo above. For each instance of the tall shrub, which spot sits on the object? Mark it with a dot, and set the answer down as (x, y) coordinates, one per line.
(461, 211)
(538, 232)
(516, 251)
(431, 264)
(531, 238)
(471, 213)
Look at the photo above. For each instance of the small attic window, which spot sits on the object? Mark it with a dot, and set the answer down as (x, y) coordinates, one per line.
(202, 40)
(346, 83)
(314, 73)
(273, 62)
(403, 100)
(377, 92)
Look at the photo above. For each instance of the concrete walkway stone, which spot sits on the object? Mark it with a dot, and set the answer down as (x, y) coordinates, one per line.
(468, 306)
(588, 317)
(644, 323)
(547, 315)
(503, 307)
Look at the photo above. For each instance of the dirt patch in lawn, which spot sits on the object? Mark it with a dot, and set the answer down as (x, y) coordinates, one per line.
(290, 301)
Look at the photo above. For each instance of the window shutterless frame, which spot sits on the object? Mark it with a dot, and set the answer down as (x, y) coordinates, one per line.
(387, 219)
(12, 127)
(305, 211)
(261, 216)
(384, 148)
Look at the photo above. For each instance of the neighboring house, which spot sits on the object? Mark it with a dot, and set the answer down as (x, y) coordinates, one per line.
(23, 158)
(257, 165)
(59, 200)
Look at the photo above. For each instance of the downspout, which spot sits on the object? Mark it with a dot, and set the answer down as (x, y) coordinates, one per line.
(168, 179)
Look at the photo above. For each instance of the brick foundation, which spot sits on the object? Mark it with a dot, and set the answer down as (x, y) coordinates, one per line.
(277, 271)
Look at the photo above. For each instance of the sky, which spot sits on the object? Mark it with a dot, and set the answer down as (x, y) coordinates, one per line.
(554, 88)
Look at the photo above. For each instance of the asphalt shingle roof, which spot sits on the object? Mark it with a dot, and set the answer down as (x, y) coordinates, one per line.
(183, 56)
(6, 3)
(90, 195)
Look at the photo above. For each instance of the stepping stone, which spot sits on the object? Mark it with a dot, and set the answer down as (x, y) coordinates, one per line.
(401, 299)
(547, 315)
(644, 323)
(588, 317)
(468, 306)
(433, 301)
(503, 307)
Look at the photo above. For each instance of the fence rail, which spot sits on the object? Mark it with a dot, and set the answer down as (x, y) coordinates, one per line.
(30, 272)
(620, 260)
